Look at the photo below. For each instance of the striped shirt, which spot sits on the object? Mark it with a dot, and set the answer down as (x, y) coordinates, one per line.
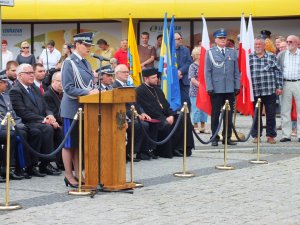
(291, 67)
(265, 74)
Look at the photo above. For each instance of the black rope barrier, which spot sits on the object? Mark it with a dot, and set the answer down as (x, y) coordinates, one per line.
(215, 134)
(168, 137)
(50, 155)
(251, 129)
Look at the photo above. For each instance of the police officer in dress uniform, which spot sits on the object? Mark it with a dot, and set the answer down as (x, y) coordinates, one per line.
(222, 81)
(77, 80)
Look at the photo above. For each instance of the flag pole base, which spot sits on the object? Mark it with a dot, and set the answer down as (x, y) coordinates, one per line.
(184, 174)
(10, 207)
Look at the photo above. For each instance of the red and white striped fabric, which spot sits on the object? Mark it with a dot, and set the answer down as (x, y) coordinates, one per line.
(245, 99)
(203, 99)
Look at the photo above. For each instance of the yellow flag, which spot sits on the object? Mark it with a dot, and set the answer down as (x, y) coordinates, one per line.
(133, 56)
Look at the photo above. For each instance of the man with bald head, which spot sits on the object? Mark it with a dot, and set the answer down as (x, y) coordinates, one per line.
(289, 62)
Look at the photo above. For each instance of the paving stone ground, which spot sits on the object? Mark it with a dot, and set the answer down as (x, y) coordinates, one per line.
(250, 194)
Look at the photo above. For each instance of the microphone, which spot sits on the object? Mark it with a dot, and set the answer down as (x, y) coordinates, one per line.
(101, 58)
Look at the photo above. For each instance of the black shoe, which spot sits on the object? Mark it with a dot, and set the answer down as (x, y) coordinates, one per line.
(49, 170)
(34, 172)
(298, 139)
(54, 168)
(13, 176)
(2, 180)
(177, 153)
(214, 143)
(150, 153)
(285, 139)
(22, 173)
(229, 142)
(67, 183)
(143, 156)
(128, 159)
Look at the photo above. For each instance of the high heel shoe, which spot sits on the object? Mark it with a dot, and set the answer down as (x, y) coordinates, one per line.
(67, 182)
(82, 182)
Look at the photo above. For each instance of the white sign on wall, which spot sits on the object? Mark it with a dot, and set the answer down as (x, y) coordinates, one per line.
(6, 2)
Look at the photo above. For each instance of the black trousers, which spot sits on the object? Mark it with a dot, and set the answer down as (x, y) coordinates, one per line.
(140, 141)
(217, 102)
(269, 101)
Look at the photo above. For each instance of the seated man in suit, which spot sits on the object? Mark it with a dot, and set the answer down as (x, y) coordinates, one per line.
(29, 104)
(141, 145)
(39, 76)
(53, 97)
(17, 151)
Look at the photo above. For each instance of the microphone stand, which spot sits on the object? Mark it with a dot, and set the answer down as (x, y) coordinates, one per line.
(99, 185)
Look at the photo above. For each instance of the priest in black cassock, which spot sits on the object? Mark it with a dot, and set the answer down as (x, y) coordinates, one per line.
(153, 101)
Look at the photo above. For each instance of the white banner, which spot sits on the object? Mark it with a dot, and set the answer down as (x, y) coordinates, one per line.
(6, 2)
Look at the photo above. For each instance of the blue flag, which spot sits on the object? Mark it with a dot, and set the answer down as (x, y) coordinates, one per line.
(175, 101)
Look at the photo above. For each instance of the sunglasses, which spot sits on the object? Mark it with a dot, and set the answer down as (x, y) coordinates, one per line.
(24, 47)
(289, 42)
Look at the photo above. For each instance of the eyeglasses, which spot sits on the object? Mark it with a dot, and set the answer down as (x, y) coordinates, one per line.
(289, 42)
(28, 73)
(178, 39)
(123, 71)
(24, 47)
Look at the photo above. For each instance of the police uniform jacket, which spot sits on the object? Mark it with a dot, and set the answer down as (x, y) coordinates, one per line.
(222, 75)
(69, 104)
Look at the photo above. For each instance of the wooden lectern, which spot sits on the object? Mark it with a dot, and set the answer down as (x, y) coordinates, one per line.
(113, 135)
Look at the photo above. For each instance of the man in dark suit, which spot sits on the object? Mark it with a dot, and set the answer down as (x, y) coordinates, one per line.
(28, 103)
(184, 60)
(33, 136)
(53, 98)
(141, 145)
(39, 76)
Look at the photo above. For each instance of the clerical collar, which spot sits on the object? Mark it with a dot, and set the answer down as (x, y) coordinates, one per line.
(148, 85)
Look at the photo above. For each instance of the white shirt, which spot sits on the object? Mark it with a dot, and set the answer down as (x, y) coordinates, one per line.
(291, 67)
(53, 58)
(6, 56)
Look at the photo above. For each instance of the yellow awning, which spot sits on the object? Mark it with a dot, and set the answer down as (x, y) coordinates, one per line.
(74, 10)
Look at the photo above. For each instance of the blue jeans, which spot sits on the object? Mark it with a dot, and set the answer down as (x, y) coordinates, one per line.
(197, 114)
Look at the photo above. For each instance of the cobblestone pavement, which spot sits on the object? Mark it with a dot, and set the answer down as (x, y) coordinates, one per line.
(250, 194)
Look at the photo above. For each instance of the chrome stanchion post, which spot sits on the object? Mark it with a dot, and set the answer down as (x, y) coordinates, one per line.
(7, 205)
(258, 160)
(133, 113)
(225, 166)
(80, 191)
(184, 173)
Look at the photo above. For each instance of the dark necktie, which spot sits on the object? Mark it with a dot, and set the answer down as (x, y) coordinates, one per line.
(223, 53)
(31, 94)
(85, 63)
(106, 88)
